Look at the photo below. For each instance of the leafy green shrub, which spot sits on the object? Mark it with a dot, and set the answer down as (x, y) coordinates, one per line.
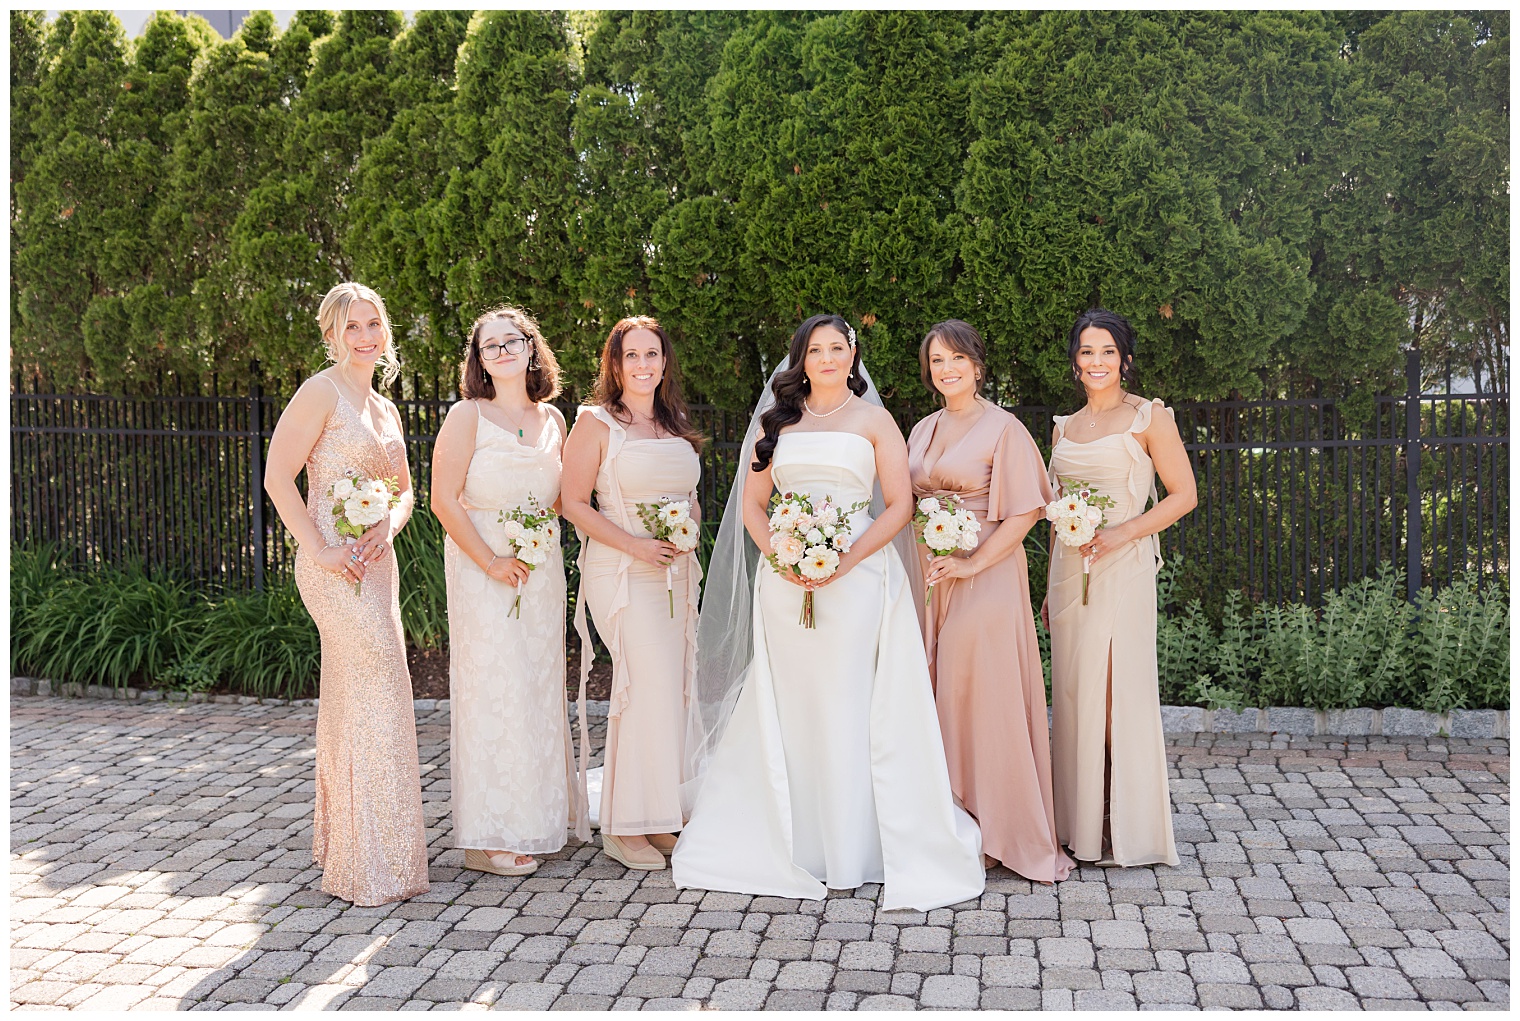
(111, 627)
(424, 590)
(1461, 646)
(263, 644)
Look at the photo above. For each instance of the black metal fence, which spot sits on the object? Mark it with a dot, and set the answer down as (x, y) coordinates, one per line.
(1294, 499)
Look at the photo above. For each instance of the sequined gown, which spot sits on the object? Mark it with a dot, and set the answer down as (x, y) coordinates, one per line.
(512, 783)
(368, 835)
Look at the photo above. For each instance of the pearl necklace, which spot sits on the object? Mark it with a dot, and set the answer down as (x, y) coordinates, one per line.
(826, 414)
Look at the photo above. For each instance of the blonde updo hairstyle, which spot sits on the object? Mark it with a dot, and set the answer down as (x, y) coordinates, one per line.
(334, 314)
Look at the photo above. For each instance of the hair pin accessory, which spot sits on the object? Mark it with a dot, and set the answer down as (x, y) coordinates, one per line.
(851, 330)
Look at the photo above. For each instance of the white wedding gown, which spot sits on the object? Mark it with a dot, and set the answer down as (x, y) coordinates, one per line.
(831, 772)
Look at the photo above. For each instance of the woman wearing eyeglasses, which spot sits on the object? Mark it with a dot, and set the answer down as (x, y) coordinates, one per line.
(513, 789)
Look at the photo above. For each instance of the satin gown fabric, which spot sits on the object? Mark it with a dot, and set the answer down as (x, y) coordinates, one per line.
(654, 654)
(368, 833)
(984, 655)
(1118, 624)
(510, 755)
(831, 772)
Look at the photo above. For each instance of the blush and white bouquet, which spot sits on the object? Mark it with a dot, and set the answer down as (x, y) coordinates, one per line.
(534, 532)
(670, 520)
(807, 539)
(359, 503)
(1077, 516)
(944, 526)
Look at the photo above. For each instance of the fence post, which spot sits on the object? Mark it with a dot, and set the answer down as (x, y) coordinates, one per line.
(256, 473)
(1413, 538)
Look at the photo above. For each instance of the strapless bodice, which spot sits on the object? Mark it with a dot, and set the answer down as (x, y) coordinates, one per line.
(840, 465)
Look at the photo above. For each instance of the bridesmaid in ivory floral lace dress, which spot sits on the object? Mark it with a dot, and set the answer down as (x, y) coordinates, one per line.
(513, 785)
(368, 837)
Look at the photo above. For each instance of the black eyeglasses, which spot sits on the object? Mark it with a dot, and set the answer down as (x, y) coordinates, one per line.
(512, 345)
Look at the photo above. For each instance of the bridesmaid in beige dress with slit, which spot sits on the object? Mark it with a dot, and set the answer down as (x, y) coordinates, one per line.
(368, 834)
(1112, 802)
(634, 443)
(984, 656)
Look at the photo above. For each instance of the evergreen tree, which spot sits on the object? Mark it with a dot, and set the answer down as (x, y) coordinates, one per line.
(501, 232)
(1107, 172)
(642, 101)
(289, 239)
(401, 179)
(234, 138)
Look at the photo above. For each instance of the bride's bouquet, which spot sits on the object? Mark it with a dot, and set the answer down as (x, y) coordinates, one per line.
(534, 533)
(1077, 515)
(807, 539)
(358, 504)
(944, 526)
(671, 521)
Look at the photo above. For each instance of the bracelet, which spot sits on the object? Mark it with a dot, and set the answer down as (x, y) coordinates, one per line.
(494, 558)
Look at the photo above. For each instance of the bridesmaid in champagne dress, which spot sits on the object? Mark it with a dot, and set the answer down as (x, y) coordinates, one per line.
(513, 786)
(368, 836)
(1112, 802)
(984, 656)
(635, 444)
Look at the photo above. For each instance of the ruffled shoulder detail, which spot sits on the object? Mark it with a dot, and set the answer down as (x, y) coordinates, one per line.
(602, 415)
(1060, 421)
(1144, 411)
(1020, 481)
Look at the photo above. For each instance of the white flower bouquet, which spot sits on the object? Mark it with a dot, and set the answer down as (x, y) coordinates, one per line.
(807, 539)
(535, 534)
(670, 520)
(941, 524)
(1077, 516)
(359, 503)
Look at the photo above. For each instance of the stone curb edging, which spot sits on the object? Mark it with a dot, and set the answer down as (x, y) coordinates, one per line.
(30, 686)
(1295, 722)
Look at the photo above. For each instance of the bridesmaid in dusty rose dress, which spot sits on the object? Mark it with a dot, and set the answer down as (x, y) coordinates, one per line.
(368, 836)
(984, 658)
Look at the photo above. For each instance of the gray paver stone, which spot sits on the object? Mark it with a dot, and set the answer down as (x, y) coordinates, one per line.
(739, 994)
(950, 991)
(1186, 719)
(1479, 723)
(1164, 987)
(805, 975)
(1299, 722)
(886, 1002)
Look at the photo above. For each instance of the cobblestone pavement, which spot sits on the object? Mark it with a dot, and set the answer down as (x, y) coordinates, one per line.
(160, 858)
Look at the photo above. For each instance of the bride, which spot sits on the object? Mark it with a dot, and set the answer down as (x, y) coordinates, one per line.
(830, 772)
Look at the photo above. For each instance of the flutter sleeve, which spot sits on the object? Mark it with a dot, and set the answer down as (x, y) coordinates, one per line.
(1019, 483)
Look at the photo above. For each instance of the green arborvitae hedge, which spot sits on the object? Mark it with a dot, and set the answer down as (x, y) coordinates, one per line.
(1273, 197)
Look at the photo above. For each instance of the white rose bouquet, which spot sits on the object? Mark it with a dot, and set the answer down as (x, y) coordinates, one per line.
(944, 526)
(358, 504)
(535, 534)
(1077, 515)
(807, 539)
(670, 520)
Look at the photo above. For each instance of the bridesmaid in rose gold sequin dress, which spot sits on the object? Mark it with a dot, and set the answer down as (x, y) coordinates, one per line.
(368, 833)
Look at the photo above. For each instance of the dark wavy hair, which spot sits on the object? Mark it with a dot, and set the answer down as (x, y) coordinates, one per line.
(961, 337)
(1123, 333)
(543, 370)
(791, 387)
(670, 411)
